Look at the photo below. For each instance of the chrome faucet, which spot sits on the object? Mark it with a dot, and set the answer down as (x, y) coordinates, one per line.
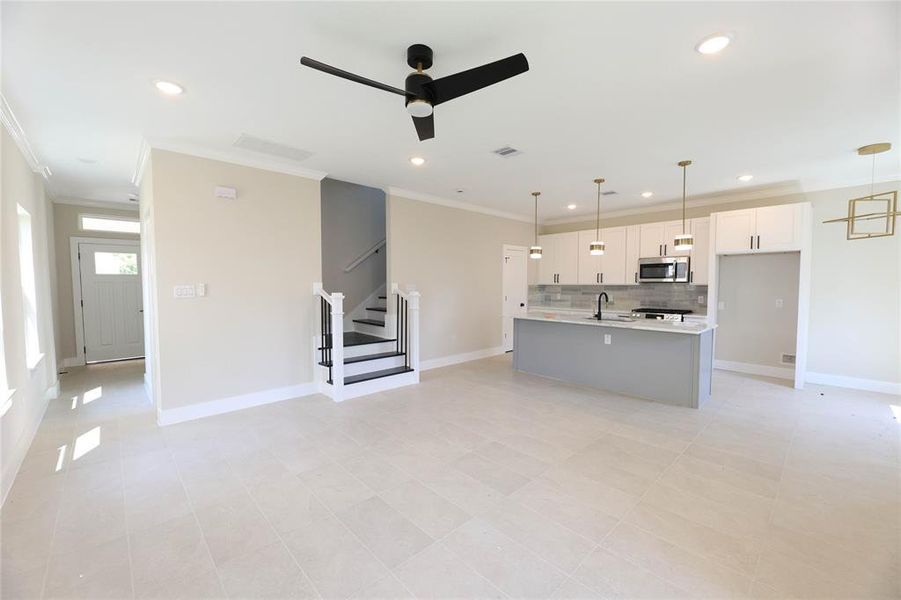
(606, 299)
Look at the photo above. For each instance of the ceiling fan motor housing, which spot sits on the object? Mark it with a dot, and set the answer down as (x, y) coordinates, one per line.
(416, 95)
(419, 56)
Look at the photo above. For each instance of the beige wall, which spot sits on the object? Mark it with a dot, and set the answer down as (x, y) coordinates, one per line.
(752, 328)
(258, 256)
(65, 218)
(454, 258)
(855, 296)
(33, 387)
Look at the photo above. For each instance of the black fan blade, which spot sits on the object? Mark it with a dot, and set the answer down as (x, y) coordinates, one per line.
(320, 66)
(465, 82)
(425, 127)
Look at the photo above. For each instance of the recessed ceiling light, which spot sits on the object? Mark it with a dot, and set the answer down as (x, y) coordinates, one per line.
(417, 161)
(745, 177)
(647, 194)
(168, 87)
(571, 206)
(713, 44)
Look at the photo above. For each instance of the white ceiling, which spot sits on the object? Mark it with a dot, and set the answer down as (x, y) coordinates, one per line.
(615, 90)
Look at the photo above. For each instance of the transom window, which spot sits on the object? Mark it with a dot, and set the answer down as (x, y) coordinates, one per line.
(113, 224)
(115, 263)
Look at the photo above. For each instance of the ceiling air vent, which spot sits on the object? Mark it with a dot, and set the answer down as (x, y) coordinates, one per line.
(507, 152)
(608, 193)
(255, 144)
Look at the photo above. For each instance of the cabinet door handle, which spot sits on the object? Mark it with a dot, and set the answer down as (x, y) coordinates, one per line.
(597, 277)
(691, 276)
(664, 249)
(758, 242)
(602, 278)
(660, 250)
(752, 242)
(636, 277)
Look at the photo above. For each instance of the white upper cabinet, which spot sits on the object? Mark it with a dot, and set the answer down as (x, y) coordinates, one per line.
(778, 228)
(765, 229)
(613, 262)
(651, 239)
(700, 252)
(735, 231)
(671, 230)
(559, 262)
(633, 253)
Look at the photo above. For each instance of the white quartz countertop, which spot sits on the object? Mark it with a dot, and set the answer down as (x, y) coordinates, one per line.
(575, 317)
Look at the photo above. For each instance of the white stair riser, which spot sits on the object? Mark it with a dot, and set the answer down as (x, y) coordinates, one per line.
(375, 314)
(363, 349)
(370, 329)
(368, 366)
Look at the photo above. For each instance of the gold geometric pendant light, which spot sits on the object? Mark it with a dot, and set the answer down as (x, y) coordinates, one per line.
(597, 247)
(683, 241)
(874, 215)
(535, 250)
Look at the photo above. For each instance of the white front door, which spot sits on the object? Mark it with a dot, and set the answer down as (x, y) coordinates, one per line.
(111, 303)
(516, 289)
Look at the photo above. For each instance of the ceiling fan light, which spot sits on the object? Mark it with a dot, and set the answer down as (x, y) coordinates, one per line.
(419, 108)
(684, 241)
(596, 248)
(535, 252)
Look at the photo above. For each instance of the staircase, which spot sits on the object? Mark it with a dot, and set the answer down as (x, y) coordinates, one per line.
(378, 354)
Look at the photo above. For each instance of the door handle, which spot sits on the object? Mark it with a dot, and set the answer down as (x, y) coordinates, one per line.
(660, 250)
(597, 277)
(664, 249)
(752, 242)
(758, 242)
(691, 276)
(636, 277)
(602, 278)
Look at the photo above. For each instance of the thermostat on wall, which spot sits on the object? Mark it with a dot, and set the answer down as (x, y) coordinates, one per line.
(227, 193)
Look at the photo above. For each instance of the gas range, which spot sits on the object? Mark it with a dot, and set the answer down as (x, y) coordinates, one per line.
(661, 314)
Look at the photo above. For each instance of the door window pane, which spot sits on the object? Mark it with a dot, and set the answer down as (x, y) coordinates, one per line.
(115, 263)
(116, 225)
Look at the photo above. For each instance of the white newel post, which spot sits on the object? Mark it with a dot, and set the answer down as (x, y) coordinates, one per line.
(414, 331)
(338, 344)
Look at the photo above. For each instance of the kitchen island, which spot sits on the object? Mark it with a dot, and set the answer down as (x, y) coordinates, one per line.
(654, 360)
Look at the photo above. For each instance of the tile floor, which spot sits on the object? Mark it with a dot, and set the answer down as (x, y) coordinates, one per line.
(477, 483)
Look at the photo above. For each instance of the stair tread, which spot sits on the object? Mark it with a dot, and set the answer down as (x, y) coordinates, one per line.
(356, 359)
(377, 308)
(383, 297)
(350, 379)
(355, 338)
(370, 322)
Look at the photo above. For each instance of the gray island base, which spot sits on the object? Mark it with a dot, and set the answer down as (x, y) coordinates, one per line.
(668, 363)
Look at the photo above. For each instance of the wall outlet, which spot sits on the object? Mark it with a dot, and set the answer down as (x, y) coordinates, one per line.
(701, 299)
(184, 291)
(721, 305)
(608, 339)
(201, 289)
(778, 302)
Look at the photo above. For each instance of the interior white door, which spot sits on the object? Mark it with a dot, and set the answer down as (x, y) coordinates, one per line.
(516, 290)
(110, 276)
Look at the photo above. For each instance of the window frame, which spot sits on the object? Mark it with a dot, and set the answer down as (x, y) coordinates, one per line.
(83, 216)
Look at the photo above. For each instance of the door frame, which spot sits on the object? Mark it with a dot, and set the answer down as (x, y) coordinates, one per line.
(504, 249)
(78, 311)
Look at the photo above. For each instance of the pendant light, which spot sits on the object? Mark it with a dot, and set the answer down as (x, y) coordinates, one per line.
(535, 250)
(683, 241)
(596, 248)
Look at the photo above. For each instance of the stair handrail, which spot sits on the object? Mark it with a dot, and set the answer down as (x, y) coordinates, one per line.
(407, 324)
(331, 334)
(373, 250)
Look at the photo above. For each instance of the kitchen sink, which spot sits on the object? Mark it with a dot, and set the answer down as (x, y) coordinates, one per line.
(614, 318)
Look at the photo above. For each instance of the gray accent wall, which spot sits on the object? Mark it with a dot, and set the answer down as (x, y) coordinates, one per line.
(353, 220)
(622, 297)
(752, 328)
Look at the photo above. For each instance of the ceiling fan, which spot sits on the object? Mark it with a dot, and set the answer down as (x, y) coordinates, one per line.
(422, 93)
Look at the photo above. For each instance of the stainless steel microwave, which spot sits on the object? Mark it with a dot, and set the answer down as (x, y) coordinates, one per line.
(663, 269)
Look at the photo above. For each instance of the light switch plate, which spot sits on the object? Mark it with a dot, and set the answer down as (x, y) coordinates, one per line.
(184, 291)
(700, 299)
(721, 305)
(608, 339)
(778, 302)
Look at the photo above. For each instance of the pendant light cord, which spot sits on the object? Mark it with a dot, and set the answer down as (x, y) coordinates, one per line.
(597, 230)
(536, 220)
(684, 167)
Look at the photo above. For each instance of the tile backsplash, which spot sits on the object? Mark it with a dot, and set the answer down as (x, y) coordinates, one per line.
(622, 297)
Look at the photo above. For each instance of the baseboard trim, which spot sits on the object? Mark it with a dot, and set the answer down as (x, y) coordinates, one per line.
(752, 369)
(854, 383)
(72, 361)
(454, 359)
(20, 450)
(233, 403)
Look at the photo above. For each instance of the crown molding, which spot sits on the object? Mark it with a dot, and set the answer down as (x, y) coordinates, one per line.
(69, 200)
(143, 157)
(235, 158)
(18, 135)
(411, 195)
